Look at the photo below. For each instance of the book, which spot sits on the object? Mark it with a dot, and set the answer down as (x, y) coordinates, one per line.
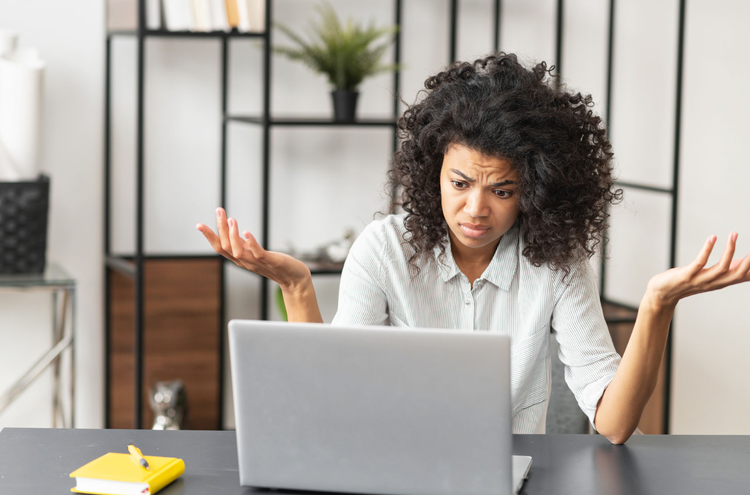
(232, 15)
(219, 15)
(257, 10)
(188, 8)
(177, 15)
(121, 474)
(252, 15)
(122, 15)
(202, 15)
(243, 16)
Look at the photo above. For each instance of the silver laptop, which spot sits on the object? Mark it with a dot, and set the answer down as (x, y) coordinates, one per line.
(373, 409)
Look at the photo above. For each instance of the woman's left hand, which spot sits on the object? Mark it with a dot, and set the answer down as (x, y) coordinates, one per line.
(675, 284)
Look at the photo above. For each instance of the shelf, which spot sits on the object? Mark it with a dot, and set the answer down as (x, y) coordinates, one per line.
(126, 266)
(313, 121)
(318, 268)
(616, 313)
(147, 299)
(163, 33)
(644, 187)
(121, 265)
(165, 256)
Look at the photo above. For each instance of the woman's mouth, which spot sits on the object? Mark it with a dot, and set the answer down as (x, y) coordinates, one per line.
(472, 230)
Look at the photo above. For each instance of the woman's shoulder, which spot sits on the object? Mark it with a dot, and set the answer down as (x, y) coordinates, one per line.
(576, 271)
(379, 244)
(386, 232)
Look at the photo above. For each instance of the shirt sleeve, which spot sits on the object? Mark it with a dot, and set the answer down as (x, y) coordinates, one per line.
(362, 296)
(586, 347)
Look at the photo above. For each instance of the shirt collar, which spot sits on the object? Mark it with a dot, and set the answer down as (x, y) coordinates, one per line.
(502, 267)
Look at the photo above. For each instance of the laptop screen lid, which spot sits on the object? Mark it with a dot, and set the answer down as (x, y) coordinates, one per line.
(371, 409)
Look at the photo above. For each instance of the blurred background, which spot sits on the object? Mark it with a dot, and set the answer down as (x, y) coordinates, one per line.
(675, 80)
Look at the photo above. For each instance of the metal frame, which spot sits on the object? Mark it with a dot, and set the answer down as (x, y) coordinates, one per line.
(673, 191)
(453, 41)
(63, 338)
(132, 265)
(497, 18)
(675, 199)
(559, 30)
(140, 144)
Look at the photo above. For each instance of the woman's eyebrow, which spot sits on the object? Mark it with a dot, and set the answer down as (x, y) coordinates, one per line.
(469, 179)
(503, 183)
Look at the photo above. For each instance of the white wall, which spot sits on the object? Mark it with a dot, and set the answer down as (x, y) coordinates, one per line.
(712, 337)
(70, 38)
(348, 165)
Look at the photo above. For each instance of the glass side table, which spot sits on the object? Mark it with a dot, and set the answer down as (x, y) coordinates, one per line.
(63, 289)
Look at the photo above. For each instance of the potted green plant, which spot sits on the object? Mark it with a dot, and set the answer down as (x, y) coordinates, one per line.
(346, 54)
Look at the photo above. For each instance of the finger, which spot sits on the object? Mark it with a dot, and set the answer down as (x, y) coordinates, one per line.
(740, 269)
(703, 256)
(213, 239)
(726, 258)
(223, 229)
(253, 245)
(239, 246)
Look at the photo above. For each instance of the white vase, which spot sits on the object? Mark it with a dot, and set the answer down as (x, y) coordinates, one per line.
(21, 90)
(8, 41)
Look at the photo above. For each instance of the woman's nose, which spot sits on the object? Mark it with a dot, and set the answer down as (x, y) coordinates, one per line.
(476, 204)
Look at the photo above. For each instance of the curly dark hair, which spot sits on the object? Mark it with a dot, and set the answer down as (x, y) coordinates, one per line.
(556, 144)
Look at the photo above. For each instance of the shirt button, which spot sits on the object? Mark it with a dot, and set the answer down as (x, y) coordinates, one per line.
(467, 302)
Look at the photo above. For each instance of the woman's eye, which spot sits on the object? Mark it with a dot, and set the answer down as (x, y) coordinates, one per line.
(503, 194)
(458, 184)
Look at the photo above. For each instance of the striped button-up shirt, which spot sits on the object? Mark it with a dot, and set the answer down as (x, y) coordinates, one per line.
(512, 296)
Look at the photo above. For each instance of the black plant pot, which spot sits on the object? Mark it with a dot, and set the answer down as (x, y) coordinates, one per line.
(344, 105)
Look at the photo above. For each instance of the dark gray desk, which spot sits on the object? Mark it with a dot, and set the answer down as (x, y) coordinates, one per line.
(38, 461)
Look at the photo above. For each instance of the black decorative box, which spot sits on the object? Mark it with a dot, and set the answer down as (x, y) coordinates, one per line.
(24, 209)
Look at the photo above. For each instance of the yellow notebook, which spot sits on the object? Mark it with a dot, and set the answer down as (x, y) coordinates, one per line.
(120, 474)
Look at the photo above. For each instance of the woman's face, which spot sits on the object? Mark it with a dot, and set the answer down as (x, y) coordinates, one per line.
(479, 196)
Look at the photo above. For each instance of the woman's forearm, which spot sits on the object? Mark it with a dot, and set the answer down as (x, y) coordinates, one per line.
(301, 302)
(623, 401)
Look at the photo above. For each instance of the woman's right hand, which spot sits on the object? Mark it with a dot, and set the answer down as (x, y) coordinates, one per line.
(246, 253)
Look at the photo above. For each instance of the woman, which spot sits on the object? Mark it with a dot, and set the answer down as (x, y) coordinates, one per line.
(504, 178)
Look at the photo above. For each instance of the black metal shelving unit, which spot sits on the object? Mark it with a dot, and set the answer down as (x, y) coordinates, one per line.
(621, 309)
(673, 191)
(132, 265)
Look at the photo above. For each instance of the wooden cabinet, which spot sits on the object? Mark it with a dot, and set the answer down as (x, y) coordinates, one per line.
(182, 339)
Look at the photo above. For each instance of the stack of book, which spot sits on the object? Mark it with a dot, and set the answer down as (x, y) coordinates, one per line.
(189, 15)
